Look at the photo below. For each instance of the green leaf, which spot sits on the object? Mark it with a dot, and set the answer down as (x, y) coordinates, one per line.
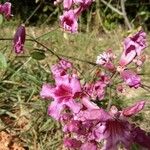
(3, 61)
(1, 19)
(38, 55)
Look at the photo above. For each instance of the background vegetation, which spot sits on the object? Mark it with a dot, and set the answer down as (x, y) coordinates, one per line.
(99, 14)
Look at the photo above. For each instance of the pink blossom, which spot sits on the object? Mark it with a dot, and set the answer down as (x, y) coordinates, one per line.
(131, 78)
(61, 68)
(67, 4)
(89, 146)
(78, 128)
(66, 117)
(133, 46)
(139, 60)
(5, 9)
(97, 125)
(92, 114)
(88, 103)
(68, 21)
(72, 143)
(72, 126)
(132, 110)
(19, 39)
(83, 4)
(116, 130)
(96, 90)
(105, 60)
(64, 94)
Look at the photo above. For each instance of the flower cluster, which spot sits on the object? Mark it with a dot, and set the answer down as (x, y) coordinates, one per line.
(86, 125)
(72, 11)
(5, 9)
(132, 54)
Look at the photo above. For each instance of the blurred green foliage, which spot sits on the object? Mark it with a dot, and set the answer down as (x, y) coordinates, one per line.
(137, 12)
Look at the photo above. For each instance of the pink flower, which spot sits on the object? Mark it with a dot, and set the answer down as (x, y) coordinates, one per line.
(72, 143)
(72, 126)
(68, 21)
(96, 90)
(131, 78)
(86, 101)
(117, 129)
(110, 128)
(61, 68)
(67, 4)
(64, 94)
(133, 109)
(105, 60)
(133, 46)
(83, 4)
(5, 9)
(19, 39)
(92, 114)
(139, 60)
(89, 146)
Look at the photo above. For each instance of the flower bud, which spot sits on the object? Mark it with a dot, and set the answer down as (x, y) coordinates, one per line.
(19, 39)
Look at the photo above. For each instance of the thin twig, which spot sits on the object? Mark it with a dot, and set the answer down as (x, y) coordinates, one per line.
(36, 9)
(100, 21)
(53, 13)
(114, 75)
(112, 8)
(71, 57)
(52, 52)
(110, 99)
(47, 33)
(125, 15)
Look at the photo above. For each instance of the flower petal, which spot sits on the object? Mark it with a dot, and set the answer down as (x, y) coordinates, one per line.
(133, 109)
(95, 114)
(74, 106)
(55, 109)
(47, 91)
(72, 143)
(89, 146)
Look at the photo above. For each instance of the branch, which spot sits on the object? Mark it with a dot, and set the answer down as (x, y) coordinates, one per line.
(51, 51)
(112, 8)
(125, 15)
(36, 9)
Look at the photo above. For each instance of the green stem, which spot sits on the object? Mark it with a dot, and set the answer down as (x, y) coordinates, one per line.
(59, 56)
(110, 97)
